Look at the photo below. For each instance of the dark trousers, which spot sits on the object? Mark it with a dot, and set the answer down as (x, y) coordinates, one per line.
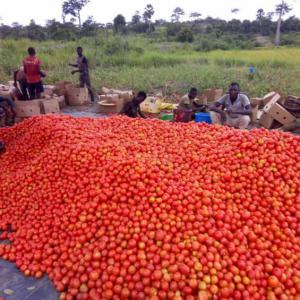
(85, 80)
(23, 88)
(35, 90)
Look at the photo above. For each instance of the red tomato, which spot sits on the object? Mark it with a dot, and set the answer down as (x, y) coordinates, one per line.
(123, 208)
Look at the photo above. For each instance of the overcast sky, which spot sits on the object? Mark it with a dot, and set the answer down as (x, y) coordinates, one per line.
(22, 11)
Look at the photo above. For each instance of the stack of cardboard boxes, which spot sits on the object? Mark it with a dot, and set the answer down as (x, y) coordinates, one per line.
(112, 101)
(53, 100)
(25, 109)
(270, 112)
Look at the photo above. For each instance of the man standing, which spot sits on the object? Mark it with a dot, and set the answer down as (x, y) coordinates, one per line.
(132, 109)
(83, 70)
(32, 69)
(233, 109)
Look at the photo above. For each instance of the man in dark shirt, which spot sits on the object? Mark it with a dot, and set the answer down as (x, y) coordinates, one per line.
(132, 109)
(83, 70)
(20, 77)
(7, 111)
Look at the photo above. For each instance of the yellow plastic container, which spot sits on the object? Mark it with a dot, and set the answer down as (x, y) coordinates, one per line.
(151, 105)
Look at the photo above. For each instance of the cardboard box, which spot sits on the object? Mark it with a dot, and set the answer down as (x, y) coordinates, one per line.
(61, 102)
(126, 95)
(106, 107)
(266, 121)
(50, 107)
(61, 87)
(259, 102)
(104, 91)
(77, 96)
(259, 114)
(280, 114)
(211, 95)
(271, 102)
(25, 109)
(48, 91)
(112, 98)
(103, 97)
(254, 114)
(268, 97)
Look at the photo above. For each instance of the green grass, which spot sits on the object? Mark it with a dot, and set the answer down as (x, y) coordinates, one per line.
(140, 63)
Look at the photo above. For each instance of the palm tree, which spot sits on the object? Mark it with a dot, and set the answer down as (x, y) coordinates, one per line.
(281, 10)
(259, 16)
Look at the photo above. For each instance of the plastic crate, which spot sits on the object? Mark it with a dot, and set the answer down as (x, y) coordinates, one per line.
(203, 118)
(168, 117)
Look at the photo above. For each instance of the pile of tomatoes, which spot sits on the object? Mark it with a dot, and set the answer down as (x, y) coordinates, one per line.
(143, 209)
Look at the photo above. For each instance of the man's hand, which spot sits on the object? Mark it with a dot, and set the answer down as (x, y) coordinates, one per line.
(223, 115)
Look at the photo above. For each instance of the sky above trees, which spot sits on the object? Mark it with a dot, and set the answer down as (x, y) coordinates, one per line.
(105, 11)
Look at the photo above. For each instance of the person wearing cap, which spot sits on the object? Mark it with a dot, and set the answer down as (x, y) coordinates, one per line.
(233, 109)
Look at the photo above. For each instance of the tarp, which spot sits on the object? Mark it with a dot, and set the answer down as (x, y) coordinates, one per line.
(15, 286)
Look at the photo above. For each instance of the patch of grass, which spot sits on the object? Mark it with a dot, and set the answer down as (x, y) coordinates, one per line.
(140, 63)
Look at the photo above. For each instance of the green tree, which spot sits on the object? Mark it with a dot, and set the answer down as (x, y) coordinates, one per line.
(136, 18)
(73, 8)
(185, 35)
(119, 24)
(35, 32)
(147, 15)
(195, 16)
(61, 31)
(177, 14)
(270, 15)
(89, 27)
(260, 15)
(281, 9)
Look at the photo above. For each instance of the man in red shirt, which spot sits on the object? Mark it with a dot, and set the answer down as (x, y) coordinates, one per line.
(32, 69)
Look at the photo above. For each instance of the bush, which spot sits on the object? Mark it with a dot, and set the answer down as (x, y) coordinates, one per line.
(209, 45)
(185, 35)
(173, 29)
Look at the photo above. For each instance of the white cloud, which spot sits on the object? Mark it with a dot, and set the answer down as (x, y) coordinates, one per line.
(104, 11)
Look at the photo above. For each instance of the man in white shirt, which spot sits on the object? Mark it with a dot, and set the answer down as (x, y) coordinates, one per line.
(233, 109)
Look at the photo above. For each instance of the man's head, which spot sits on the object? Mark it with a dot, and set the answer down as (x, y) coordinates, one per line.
(234, 90)
(2, 147)
(31, 51)
(193, 93)
(79, 51)
(140, 97)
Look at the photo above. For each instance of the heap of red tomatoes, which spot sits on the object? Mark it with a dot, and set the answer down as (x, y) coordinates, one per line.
(143, 209)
